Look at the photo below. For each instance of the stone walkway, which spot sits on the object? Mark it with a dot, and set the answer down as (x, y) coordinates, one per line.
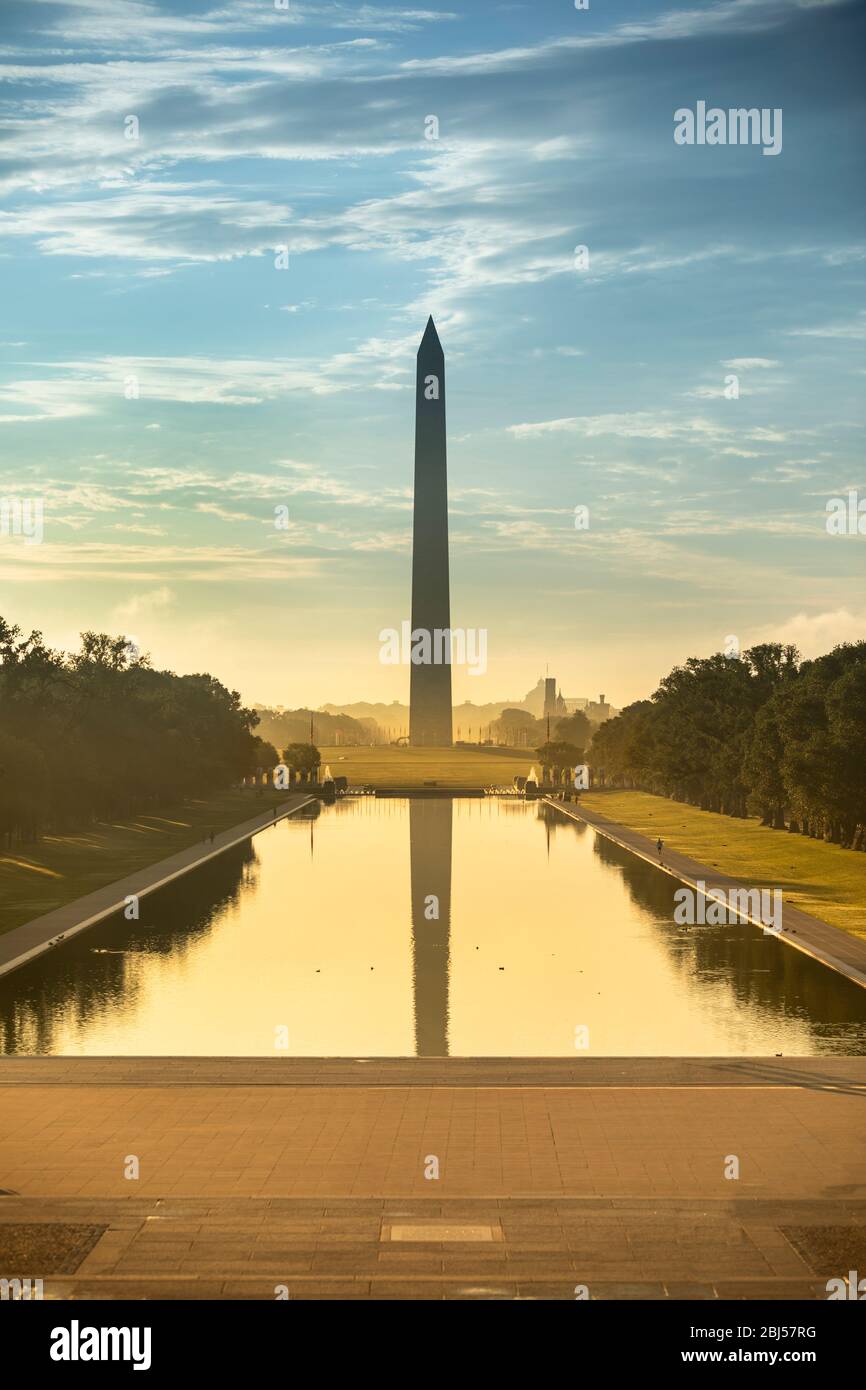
(818, 939)
(42, 933)
(518, 1141)
(815, 1073)
(616, 1184)
(312, 1249)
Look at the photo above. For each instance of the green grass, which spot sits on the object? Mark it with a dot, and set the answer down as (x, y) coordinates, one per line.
(822, 879)
(36, 878)
(412, 767)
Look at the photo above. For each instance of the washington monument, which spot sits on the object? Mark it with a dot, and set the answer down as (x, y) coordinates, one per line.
(430, 683)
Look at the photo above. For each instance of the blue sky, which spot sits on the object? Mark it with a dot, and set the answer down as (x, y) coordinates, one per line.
(149, 265)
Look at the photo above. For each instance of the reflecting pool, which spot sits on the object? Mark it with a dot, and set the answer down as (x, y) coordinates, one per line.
(398, 926)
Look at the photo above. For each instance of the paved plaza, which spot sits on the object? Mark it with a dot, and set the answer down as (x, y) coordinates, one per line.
(552, 1175)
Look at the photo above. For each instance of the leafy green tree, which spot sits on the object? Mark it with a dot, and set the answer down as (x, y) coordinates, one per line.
(517, 727)
(303, 757)
(559, 754)
(132, 738)
(822, 724)
(24, 787)
(694, 740)
(622, 746)
(575, 728)
(262, 754)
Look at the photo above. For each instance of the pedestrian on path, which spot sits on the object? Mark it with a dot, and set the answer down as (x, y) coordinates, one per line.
(660, 844)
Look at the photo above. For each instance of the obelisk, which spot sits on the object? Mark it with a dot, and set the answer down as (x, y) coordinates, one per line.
(430, 681)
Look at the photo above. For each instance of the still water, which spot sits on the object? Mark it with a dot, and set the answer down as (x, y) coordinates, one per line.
(324, 930)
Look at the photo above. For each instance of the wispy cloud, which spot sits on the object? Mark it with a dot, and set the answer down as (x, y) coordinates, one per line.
(851, 329)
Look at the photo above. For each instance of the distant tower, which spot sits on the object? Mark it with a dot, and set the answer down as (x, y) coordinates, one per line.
(430, 684)
(549, 696)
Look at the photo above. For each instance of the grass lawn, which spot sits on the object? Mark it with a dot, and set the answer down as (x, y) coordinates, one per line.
(412, 767)
(36, 878)
(822, 879)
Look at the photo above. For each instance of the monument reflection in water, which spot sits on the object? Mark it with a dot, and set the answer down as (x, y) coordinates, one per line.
(400, 926)
(430, 826)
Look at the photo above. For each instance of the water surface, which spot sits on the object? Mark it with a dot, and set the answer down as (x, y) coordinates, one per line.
(397, 927)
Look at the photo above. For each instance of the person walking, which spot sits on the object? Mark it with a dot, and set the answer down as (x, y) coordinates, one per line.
(660, 844)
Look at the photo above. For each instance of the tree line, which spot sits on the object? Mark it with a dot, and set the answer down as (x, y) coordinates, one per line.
(763, 734)
(98, 733)
(282, 726)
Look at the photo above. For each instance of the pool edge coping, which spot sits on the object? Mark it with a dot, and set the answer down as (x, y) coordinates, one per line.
(705, 874)
(48, 930)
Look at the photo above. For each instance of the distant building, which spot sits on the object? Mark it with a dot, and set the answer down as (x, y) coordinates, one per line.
(554, 705)
(534, 701)
(573, 703)
(597, 711)
(545, 700)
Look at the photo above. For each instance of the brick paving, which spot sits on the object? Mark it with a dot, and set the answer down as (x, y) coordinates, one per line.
(320, 1249)
(367, 1142)
(616, 1186)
